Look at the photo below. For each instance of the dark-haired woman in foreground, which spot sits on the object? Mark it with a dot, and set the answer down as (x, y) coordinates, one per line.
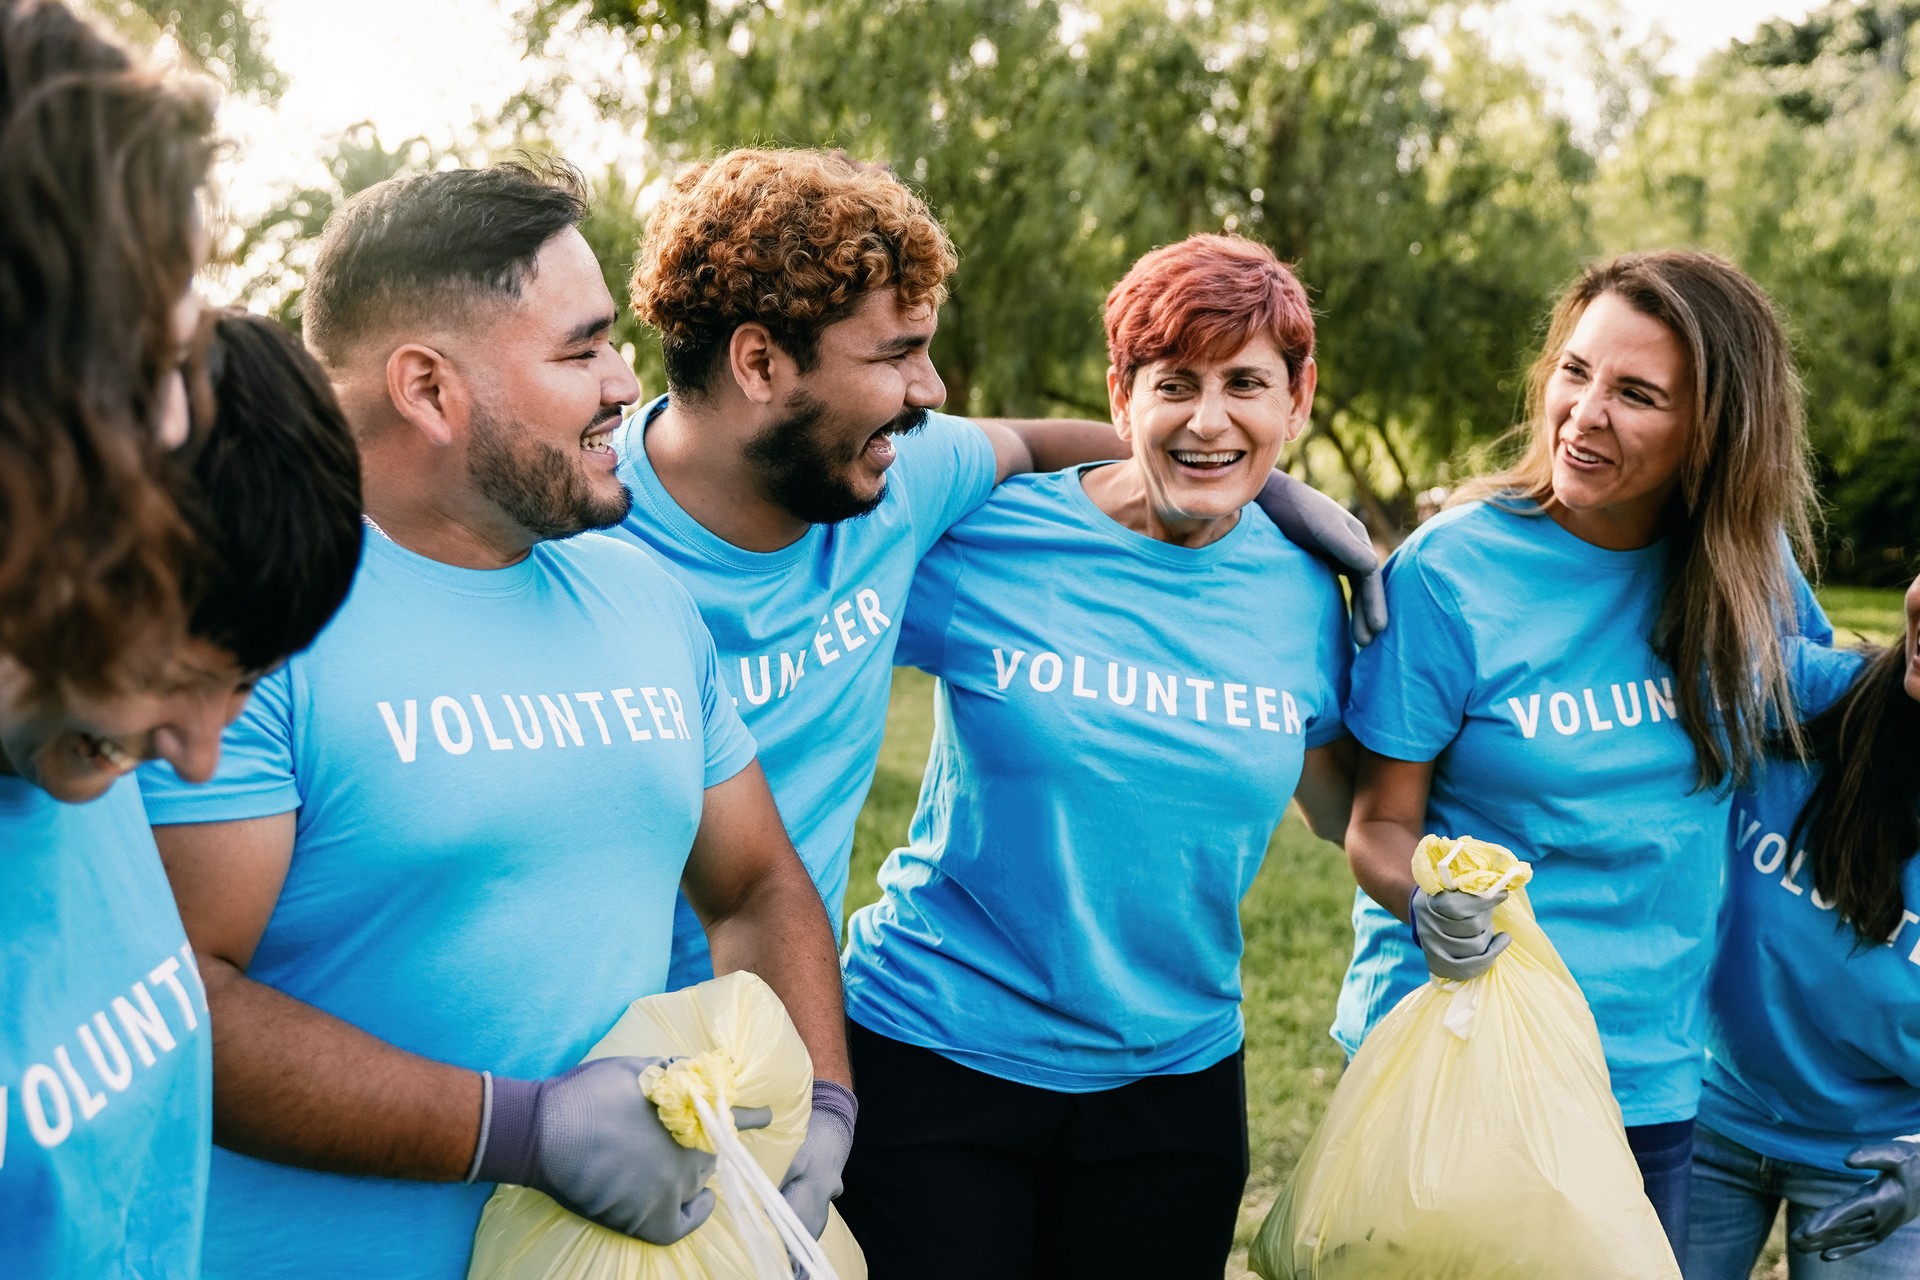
(1812, 1091)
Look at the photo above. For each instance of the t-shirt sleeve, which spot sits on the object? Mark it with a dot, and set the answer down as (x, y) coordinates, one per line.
(730, 747)
(944, 470)
(929, 612)
(1334, 657)
(1810, 619)
(256, 774)
(1412, 685)
(1820, 676)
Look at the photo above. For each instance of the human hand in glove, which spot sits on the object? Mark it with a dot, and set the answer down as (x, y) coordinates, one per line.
(813, 1178)
(1456, 931)
(594, 1142)
(1312, 520)
(1862, 1220)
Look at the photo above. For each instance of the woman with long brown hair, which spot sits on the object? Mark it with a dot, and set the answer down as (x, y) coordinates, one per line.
(1585, 659)
(1812, 1090)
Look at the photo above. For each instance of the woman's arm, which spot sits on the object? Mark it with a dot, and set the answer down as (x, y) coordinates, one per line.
(1389, 817)
(1325, 793)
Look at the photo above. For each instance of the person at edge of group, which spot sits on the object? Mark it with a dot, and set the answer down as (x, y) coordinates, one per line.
(105, 1060)
(1586, 658)
(1137, 673)
(441, 855)
(119, 639)
(1812, 1090)
(795, 473)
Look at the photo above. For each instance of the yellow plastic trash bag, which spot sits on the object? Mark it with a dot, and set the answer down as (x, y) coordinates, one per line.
(740, 1043)
(1475, 1134)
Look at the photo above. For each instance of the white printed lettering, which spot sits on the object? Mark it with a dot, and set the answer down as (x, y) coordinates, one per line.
(631, 715)
(592, 702)
(494, 740)
(1264, 708)
(869, 601)
(1527, 717)
(1047, 683)
(679, 712)
(1291, 711)
(37, 1086)
(1234, 698)
(821, 642)
(1080, 689)
(164, 973)
(766, 680)
(1113, 684)
(1593, 714)
(1629, 716)
(406, 743)
(142, 1023)
(659, 713)
(539, 735)
(119, 1076)
(91, 1103)
(1569, 723)
(562, 720)
(1767, 863)
(1659, 700)
(1166, 693)
(1199, 688)
(1786, 881)
(843, 622)
(1747, 833)
(1003, 668)
(792, 667)
(451, 745)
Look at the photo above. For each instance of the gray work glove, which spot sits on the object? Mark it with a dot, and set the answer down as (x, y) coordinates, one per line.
(813, 1178)
(1456, 931)
(1312, 520)
(594, 1142)
(1871, 1214)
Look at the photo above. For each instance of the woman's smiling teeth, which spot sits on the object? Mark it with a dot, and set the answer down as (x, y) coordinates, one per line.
(1581, 455)
(1207, 461)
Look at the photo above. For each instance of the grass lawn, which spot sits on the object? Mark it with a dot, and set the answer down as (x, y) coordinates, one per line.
(1297, 931)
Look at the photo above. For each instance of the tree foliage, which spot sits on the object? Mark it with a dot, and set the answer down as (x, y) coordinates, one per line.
(226, 37)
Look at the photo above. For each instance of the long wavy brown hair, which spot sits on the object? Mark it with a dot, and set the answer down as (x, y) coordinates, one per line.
(1743, 506)
(100, 164)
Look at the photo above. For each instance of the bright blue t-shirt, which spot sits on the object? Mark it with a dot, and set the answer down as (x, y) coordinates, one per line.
(806, 634)
(498, 775)
(1814, 1042)
(1120, 723)
(106, 1072)
(1520, 662)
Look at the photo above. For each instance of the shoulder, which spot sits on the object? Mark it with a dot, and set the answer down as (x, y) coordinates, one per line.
(603, 553)
(1820, 676)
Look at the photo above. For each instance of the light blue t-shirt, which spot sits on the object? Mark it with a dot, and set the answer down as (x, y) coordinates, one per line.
(806, 634)
(1520, 662)
(1815, 1043)
(106, 1074)
(498, 775)
(1120, 724)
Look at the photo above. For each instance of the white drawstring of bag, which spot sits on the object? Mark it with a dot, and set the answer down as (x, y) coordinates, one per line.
(746, 1186)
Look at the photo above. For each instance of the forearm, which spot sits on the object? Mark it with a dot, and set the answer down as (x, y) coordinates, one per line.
(1381, 855)
(1053, 443)
(778, 929)
(1325, 793)
(298, 1086)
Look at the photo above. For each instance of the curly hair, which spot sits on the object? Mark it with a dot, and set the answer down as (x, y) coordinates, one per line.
(792, 240)
(100, 164)
(1206, 297)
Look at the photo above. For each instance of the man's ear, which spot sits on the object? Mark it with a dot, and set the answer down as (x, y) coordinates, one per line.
(751, 356)
(1302, 395)
(1117, 403)
(427, 392)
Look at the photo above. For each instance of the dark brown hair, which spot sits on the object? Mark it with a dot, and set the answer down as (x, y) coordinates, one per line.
(100, 163)
(1862, 821)
(1742, 508)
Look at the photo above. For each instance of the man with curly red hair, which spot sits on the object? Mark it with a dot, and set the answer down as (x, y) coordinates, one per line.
(796, 472)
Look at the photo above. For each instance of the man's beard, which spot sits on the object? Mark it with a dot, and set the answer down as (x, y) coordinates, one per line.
(539, 487)
(808, 479)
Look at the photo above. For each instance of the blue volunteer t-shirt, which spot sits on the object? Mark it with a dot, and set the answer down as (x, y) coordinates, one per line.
(1119, 726)
(1520, 662)
(1814, 1043)
(806, 634)
(106, 1074)
(498, 775)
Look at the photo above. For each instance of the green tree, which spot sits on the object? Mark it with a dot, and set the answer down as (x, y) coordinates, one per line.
(226, 37)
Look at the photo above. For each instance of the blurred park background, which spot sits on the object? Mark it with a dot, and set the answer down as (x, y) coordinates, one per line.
(1436, 170)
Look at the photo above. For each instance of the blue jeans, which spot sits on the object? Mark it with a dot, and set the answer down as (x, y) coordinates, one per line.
(1737, 1191)
(1664, 1153)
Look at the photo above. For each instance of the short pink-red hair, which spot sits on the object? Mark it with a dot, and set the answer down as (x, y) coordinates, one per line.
(1205, 298)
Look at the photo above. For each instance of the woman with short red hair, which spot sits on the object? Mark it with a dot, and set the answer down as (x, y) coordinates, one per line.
(1137, 672)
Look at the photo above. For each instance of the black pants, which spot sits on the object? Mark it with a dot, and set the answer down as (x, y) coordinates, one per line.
(960, 1174)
